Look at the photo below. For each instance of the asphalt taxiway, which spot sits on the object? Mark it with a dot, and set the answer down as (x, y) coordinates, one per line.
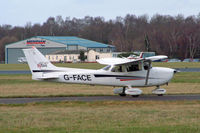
(99, 98)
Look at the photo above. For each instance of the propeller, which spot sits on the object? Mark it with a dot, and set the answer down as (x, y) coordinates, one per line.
(148, 70)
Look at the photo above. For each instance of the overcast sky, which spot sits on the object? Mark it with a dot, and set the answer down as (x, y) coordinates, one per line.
(19, 12)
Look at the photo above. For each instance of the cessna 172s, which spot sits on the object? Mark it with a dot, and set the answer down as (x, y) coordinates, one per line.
(123, 72)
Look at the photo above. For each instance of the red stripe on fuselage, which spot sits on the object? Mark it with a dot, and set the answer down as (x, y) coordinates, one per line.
(129, 79)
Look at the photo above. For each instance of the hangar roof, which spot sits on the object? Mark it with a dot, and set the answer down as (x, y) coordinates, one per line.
(75, 41)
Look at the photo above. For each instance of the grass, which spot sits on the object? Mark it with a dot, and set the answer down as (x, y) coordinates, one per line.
(98, 117)
(177, 64)
(186, 77)
(98, 66)
(24, 86)
(72, 65)
(14, 67)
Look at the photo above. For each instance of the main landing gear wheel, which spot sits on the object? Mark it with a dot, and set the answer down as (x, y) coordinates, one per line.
(135, 95)
(122, 95)
(134, 92)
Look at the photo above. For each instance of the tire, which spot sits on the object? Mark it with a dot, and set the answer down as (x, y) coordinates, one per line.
(160, 95)
(135, 95)
(122, 95)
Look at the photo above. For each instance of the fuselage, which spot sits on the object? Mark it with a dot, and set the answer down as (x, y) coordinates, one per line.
(157, 76)
(118, 72)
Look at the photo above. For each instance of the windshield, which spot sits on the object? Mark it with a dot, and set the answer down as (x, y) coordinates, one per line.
(106, 68)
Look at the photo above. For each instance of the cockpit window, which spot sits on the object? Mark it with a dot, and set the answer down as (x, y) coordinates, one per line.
(118, 69)
(106, 68)
(134, 67)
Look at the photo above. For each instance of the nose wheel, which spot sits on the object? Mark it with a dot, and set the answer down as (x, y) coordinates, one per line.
(159, 91)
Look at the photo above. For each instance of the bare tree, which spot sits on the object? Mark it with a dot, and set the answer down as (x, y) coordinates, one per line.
(173, 36)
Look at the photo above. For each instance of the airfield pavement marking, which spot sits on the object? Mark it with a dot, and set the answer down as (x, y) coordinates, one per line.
(99, 98)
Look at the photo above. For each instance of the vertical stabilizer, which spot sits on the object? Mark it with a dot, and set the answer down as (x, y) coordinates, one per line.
(37, 62)
(141, 55)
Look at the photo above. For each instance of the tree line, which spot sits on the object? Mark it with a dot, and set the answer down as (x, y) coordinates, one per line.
(175, 36)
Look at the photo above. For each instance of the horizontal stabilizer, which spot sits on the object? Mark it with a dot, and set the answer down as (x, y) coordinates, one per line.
(48, 77)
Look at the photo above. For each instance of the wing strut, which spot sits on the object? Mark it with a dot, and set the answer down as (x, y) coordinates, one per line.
(148, 70)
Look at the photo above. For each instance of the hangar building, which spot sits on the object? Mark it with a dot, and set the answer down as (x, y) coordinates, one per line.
(49, 44)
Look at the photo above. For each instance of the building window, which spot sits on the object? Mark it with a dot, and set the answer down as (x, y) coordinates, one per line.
(101, 49)
(108, 49)
(65, 58)
(97, 57)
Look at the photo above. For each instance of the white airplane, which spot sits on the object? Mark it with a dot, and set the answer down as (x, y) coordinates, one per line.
(123, 72)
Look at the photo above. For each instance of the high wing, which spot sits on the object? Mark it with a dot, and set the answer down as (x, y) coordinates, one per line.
(158, 57)
(123, 61)
(117, 61)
